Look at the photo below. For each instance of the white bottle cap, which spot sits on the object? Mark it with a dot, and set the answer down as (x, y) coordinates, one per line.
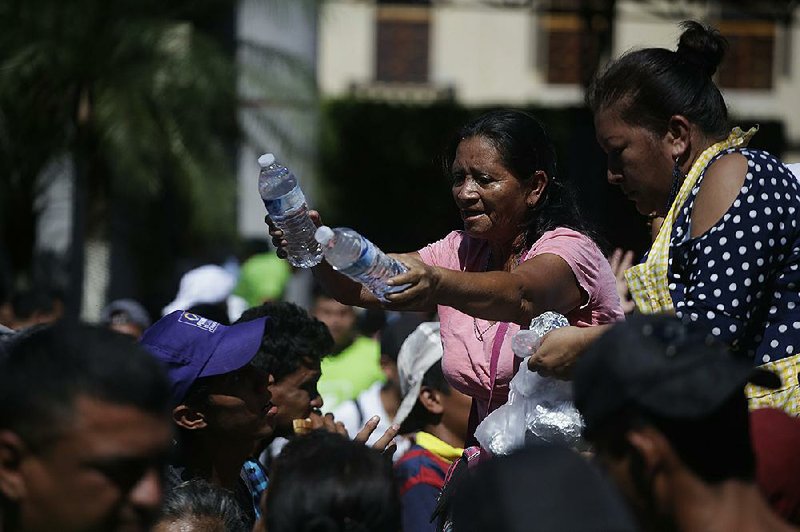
(324, 234)
(266, 160)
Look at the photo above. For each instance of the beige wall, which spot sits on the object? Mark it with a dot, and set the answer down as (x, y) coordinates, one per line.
(653, 23)
(346, 45)
(783, 102)
(489, 55)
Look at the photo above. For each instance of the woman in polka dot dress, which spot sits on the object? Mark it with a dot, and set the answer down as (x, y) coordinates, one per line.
(742, 276)
(728, 252)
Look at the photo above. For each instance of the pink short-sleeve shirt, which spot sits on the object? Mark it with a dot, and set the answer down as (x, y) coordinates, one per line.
(466, 356)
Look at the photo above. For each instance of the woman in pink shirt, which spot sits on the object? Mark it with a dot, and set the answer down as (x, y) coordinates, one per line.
(523, 251)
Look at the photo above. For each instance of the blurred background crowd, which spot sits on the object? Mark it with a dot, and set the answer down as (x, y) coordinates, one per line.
(129, 135)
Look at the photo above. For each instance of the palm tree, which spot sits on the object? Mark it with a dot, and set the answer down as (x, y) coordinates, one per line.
(134, 95)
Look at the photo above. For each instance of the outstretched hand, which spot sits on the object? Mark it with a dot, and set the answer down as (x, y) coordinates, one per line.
(422, 279)
(276, 234)
(385, 444)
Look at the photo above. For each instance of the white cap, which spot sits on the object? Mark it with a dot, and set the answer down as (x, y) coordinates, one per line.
(421, 350)
(206, 284)
(324, 234)
(266, 160)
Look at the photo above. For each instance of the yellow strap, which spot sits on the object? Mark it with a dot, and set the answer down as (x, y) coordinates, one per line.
(647, 282)
(437, 446)
(787, 397)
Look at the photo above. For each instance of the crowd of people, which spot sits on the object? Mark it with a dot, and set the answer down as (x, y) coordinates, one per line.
(239, 411)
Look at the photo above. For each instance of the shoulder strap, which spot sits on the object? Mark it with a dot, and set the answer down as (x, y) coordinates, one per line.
(499, 337)
(360, 412)
(474, 417)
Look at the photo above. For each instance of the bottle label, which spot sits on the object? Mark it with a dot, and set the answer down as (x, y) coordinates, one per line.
(368, 255)
(286, 204)
(365, 260)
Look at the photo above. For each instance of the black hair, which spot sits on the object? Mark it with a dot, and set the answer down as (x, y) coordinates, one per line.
(527, 491)
(197, 395)
(199, 499)
(292, 338)
(324, 482)
(653, 84)
(419, 415)
(213, 311)
(371, 321)
(525, 148)
(397, 330)
(434, 378)
(25, 303)
(42, 373)
(715, 447)
(319, 292)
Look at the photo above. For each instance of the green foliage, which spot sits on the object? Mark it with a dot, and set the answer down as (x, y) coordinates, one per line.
(382, 171)
(379, 170)
(136, 91)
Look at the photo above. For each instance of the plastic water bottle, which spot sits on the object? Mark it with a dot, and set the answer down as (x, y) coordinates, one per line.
(286, 206)
(359, 259)
(527, 341)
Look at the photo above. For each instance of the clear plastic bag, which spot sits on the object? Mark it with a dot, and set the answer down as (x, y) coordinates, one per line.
(538, 408)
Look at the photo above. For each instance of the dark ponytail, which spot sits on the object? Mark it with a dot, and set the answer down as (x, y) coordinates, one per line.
(653, 84)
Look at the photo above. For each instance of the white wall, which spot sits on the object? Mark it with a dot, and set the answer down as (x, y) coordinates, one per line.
(483, 53)
(346, 46)
(489, 54)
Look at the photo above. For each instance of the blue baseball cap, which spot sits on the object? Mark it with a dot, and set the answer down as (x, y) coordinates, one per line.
(191, 346)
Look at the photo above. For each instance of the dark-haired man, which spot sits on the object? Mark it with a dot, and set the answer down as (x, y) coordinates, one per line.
(84, 431)
(664, 406)
(291, 349)
(35, 306)
(221, 401)
(354, 364)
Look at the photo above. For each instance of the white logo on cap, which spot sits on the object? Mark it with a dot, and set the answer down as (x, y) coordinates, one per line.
(198, 321)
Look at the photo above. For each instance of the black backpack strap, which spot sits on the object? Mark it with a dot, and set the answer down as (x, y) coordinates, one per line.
(360, 411)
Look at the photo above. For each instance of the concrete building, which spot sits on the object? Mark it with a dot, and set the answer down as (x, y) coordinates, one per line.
(516, 52)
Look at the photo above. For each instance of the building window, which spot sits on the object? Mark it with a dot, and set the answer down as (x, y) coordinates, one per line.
(572, 45)
(403, 40)
(748, 64)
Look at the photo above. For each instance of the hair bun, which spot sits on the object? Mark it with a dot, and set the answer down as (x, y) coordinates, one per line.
(702, 46)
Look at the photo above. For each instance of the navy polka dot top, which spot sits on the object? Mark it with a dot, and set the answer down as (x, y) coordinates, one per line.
(741, 277)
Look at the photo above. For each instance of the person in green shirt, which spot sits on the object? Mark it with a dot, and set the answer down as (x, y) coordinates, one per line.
(263, 278)
(354, 364)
